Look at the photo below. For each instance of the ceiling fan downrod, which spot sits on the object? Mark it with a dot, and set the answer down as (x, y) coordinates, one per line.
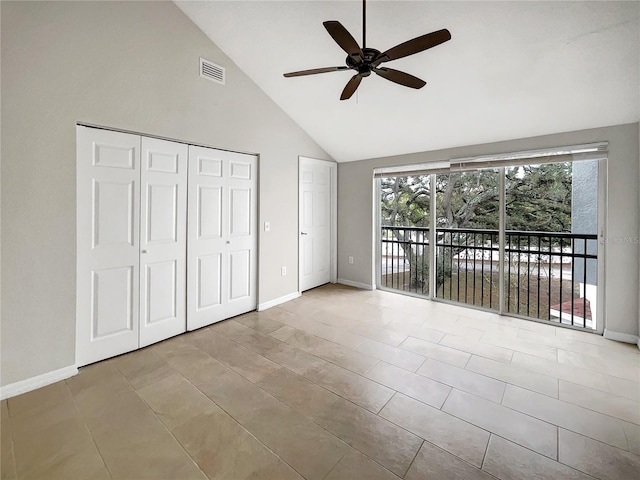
(364, 24)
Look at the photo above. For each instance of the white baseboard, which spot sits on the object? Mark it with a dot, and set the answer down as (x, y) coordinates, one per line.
(621, 337)
(24, 386)
(351, 283)
(278, 301)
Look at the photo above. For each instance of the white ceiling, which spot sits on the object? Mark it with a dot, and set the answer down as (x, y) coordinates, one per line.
(512, 69)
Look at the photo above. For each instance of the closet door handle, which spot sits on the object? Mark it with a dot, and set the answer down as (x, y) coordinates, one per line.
(303, 233)
(228, 242)
(145, 251)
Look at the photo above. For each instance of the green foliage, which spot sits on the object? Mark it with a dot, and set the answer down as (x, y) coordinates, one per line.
(405, 201)
(538, 198)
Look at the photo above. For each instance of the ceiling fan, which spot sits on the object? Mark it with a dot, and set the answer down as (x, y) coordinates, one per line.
(366, 60)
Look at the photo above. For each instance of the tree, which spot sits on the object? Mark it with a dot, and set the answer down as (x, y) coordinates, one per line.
(538, 198)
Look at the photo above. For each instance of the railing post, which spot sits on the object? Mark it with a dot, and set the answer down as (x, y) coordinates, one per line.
(501, 237)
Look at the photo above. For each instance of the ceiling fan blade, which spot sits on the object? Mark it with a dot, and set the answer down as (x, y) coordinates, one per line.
(351, 87)
(314, 71)
(343, 38)
(400, 78)
(414, 45)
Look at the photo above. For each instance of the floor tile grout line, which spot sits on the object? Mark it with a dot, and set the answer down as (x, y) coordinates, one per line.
(576, 432)
(537, 453)
(574, 467)
(307, 378)
(421, 365)
(510, 383)
(413, 459)
(226, 413)
(489, 431)
(364, 374)
(86, 426)
(361, 375)
(354, 350)
(13, 448)
(334, 467)
(362, 325)
(386, 403)
(323, 339)
(469, 371)
(486, 449)
(299, 413)
(304, 376)
(597, 411)
(155, 414)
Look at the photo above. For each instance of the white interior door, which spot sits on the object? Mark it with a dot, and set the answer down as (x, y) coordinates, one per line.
(222, 236)
(107, 306)
(315, 206)
(163, 242)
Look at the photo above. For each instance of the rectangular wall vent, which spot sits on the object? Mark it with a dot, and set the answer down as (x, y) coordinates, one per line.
(211, 71)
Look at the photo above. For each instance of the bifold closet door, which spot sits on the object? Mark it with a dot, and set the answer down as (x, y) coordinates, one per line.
(163, 240)
(108, 260)
(222, 235)
(132, 246)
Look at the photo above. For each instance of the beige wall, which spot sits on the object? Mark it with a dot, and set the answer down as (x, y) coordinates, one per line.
(355, 214)
(133, 66)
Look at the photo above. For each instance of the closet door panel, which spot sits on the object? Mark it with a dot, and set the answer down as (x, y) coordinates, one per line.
(163, 217)
(242, 234)
(222, 250)
(108, 205)
(206, 262)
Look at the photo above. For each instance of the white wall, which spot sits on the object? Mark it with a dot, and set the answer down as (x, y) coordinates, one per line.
(133, 66)
(355, 224)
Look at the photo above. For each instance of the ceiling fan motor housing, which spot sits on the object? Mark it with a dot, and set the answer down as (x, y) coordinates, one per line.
(365, 64)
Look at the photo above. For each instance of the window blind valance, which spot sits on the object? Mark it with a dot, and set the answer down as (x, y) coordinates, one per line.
(591, 151)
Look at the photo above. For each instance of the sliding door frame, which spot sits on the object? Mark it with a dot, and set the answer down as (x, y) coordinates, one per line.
(501, 170)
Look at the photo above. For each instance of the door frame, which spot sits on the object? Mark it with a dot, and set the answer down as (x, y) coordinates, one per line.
(333, 221)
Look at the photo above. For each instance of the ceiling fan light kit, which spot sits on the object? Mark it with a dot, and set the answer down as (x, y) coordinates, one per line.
(366, 60)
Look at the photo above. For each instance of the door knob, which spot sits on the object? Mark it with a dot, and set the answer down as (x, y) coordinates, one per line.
(145, 251)
(303, 233)
(228, 242)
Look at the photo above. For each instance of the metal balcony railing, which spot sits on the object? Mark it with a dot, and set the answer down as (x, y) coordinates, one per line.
(547, 275)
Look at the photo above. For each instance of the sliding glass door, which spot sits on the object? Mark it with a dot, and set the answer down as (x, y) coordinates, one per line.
(405, 206)
(467, 221)
(517, 239)
(551, 244)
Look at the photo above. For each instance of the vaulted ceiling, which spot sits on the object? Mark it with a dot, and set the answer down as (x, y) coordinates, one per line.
(511, 70)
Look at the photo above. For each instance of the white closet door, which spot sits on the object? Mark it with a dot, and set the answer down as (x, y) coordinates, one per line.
(107, 306)
(222, 235)
(315, 223)
(242, 238)
(163, 243)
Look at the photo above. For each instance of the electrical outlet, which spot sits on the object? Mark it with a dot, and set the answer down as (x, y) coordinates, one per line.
(283, 271)
(267, 226)
(351, 259)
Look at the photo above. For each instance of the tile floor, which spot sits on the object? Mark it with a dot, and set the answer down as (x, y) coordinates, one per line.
(341, 384)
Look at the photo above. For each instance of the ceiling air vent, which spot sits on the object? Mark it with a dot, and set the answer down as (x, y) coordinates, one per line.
(211, 71)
